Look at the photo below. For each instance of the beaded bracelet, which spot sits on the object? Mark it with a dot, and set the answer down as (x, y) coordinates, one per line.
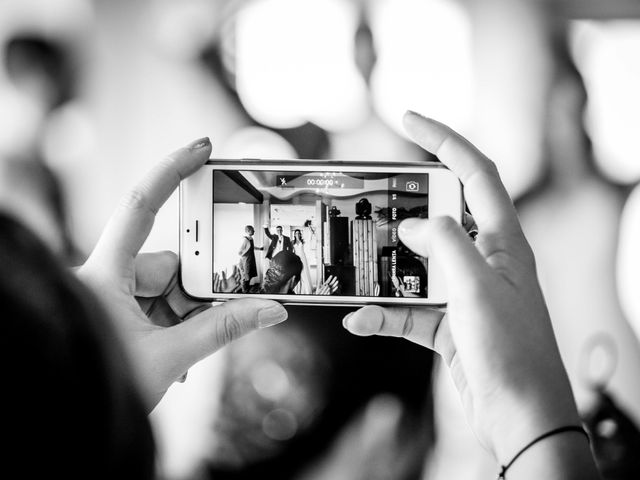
(570, 428)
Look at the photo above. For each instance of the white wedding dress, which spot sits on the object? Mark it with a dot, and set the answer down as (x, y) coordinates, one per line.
(304, 287)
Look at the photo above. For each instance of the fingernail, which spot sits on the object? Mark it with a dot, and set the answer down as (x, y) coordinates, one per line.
(200, 143)
(410, 227)
(413, 112)
(345, 320)
(272, 315)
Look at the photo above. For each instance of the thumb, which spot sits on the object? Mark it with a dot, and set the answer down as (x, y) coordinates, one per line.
(446, 242)
(175, 349)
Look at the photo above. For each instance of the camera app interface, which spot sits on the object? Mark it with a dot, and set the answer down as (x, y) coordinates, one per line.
(317, 233)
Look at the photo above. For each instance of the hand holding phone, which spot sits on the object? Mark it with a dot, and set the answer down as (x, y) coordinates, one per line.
(495, 334)
(166, 331)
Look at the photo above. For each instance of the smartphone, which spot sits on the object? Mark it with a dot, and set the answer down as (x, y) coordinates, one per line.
(312, 232)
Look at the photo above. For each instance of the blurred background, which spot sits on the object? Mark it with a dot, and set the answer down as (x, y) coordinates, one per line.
(93, 93)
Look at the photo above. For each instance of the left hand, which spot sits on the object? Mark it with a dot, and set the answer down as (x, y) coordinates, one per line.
(222, 283)
(167, 332)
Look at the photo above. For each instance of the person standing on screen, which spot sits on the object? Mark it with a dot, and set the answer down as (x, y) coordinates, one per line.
(304, 287)
(247, 262)
(279, 242)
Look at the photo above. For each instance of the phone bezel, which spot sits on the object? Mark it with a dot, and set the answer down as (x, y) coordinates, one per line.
(196, 269)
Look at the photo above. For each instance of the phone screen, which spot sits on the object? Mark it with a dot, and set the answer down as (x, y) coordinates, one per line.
(317, 233)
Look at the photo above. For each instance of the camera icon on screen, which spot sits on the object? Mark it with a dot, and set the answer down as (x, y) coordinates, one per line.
(412, 186)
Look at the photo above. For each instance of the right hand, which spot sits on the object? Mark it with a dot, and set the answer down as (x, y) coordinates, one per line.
(329, 287)
(495, 335)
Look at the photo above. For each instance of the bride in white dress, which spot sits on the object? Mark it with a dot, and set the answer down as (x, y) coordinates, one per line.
(304, 287)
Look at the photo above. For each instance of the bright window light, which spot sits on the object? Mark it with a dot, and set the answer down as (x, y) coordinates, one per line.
(628, 268)
(424, 61)
(295, 64)
(607, 55)
(257, 142)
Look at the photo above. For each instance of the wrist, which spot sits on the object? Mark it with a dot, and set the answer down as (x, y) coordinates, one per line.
(532, 418)
(563, 454)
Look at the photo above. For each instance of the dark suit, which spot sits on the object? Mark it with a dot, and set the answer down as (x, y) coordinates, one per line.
(286, 243)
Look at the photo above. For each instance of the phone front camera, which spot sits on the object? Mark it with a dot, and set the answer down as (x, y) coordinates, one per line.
(197, 252)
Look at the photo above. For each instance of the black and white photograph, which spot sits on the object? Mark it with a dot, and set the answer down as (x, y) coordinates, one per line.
(317, 233)
(320, 239)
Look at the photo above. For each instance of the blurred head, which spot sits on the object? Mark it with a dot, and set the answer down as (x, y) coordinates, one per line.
(249, 230)
(283, 273)
(297, 235)
(308, 400)
(279, 230)
(72, 409)
(33, 193)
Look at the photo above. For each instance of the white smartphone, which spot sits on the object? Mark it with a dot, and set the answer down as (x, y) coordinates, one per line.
(312, 232)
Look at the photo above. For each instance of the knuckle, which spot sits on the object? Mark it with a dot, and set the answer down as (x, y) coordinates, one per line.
(134, 199)
(443, 225)
(491, 167)
(407, 324)
(528, 258)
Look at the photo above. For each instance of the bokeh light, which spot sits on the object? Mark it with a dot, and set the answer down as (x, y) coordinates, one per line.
(290, 70)
(607, 55)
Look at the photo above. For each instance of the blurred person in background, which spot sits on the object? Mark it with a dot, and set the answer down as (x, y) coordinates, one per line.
(39, 69)
(72, 407)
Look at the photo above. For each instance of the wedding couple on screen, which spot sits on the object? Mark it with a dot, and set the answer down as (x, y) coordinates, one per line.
(278, 243)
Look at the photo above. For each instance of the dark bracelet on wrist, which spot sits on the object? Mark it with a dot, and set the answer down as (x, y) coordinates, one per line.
(569, 428)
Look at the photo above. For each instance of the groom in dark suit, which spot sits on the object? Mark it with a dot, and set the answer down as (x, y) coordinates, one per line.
(279, 242)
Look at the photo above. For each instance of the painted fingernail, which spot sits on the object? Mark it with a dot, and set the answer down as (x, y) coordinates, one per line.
(410, 226)
(272, 315)
(413, 112)
(345, 320)
(200, 143)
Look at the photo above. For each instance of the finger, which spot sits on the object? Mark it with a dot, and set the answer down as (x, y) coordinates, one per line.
(157, 276)
(179, 347)
(224, 275)
(487, 197)
(131, 223)
(155, 272)
(418, 325)
(446, 242)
